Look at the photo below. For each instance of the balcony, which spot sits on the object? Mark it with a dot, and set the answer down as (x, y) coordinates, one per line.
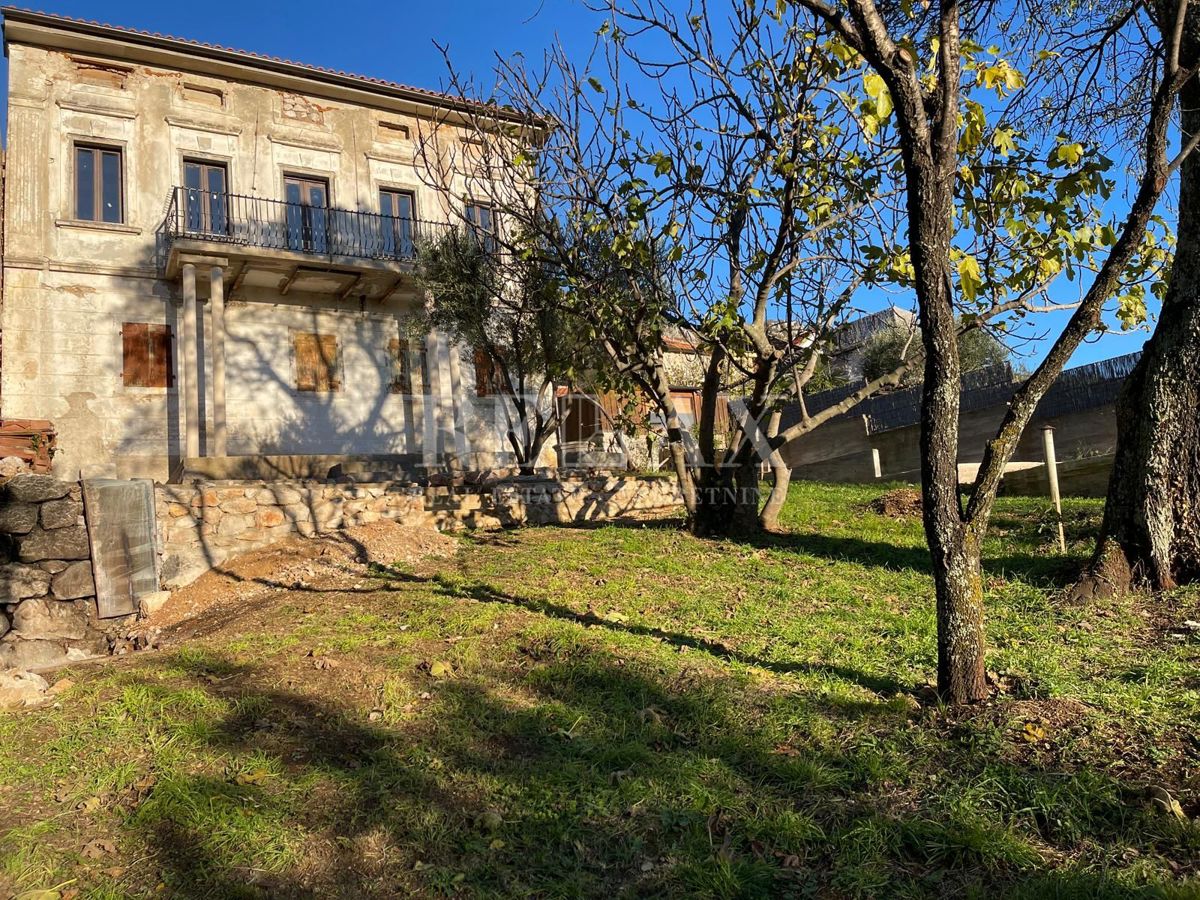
(286, 247)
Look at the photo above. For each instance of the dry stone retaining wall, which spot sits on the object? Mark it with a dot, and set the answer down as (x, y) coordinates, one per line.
(203, 524)
(566, 501)
(48, 612)
(47, 594)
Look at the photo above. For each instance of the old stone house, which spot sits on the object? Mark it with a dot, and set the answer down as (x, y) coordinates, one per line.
(208, 257)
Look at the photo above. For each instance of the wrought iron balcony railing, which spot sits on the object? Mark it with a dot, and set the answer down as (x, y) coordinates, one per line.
(281, 225)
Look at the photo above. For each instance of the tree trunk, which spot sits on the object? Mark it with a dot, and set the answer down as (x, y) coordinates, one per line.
(781, 476)
(959, 584)
(727, 500)
(1150, 536)
(953, 545)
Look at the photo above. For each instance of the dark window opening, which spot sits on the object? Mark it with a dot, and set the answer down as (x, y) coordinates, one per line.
(207, 203)
(397, 209)
(482, 220)
(307, 213)
(488, 377)
(98, 191)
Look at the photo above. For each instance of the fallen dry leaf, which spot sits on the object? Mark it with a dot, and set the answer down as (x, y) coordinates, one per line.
(1033, 732)
(257, 776)
(98, 848)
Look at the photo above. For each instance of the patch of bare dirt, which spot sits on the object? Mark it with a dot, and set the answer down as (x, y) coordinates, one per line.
(1055, 713)
(326, 563)
(901, 503)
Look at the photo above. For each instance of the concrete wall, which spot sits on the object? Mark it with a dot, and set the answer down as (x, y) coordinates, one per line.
(69, 285)
(841, 450)
(1085, 477)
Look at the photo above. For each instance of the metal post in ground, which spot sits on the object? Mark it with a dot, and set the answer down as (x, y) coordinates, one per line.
(1052, 477)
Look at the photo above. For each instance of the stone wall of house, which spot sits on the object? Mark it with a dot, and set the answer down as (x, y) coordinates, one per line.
(47, 594)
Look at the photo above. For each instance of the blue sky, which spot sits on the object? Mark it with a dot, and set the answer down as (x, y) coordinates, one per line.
(386, 41)
(398, 43)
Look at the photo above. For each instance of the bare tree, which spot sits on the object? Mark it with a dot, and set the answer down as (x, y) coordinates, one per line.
(712, 200)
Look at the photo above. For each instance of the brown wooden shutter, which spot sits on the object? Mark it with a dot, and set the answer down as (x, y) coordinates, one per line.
(146, 355)
(483, 373)
(721, 421)
(134, 354)
(329, 363)
(316, 362)
(611, 404)
(307, 359)
(160, 370)
(399, 354)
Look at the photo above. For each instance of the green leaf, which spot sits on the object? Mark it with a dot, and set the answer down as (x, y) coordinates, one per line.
(1070, 154)
(1002, 140)
(968, 277)
(877, 90)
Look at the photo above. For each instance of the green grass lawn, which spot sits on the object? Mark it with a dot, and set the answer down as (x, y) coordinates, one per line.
(630, 711)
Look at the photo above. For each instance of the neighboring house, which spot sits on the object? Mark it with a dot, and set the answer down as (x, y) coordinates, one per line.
(208, 254)
(849, 342)
(604, 430)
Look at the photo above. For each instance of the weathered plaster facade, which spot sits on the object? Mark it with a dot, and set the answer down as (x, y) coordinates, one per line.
(69, 285)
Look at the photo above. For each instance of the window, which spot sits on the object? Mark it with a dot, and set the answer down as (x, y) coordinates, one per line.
(397, 207)
(483, 224)
(403, 354)
(207, 205)
(307, 213)
(580, 418)
(101, 74)
(146, 355)
(317, 363)
(685, 403)
(98, 184)
(488, 377)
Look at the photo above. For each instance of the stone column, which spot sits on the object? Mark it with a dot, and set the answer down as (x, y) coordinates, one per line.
(191, 379)
(457, 404)
(431, 439)
(217, 295)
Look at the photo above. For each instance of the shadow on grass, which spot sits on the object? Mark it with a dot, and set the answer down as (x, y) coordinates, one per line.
(1043, 569)
(596, 778)
(486, 593)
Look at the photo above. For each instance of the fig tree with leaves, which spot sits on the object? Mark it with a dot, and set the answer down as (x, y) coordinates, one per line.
(992, 214)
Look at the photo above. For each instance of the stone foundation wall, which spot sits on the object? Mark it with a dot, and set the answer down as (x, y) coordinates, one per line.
(562, 501)
(47, 594)
(201, 525)
(48, 610)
